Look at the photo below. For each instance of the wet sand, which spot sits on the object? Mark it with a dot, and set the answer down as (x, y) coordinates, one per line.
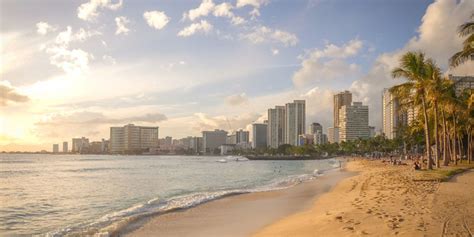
(240, 215)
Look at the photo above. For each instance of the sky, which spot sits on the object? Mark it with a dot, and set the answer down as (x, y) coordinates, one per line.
(75, 68)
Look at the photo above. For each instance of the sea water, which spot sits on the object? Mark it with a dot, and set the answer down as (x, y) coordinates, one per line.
(55, 195)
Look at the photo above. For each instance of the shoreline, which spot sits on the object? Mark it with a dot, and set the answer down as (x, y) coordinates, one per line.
(240, 214)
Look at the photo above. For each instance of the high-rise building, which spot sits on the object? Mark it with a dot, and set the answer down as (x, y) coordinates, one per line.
(259, 135)
(80, 145)
(390, 114)
(320, 138)
(231, 139)
(133, 139)
(315, 127)
(65, 147)
(372, 132)
(333, 135)
(276, 127)
(242, 137)
(353, 122)
(341, 99)
(196, 144)
(211, 140)
(295, 121)
(461, 83)
(55, 148)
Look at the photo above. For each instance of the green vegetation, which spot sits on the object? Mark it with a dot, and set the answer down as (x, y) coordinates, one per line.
(443, 174)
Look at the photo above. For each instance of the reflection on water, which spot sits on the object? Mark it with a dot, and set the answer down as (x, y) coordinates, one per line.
(63, 194)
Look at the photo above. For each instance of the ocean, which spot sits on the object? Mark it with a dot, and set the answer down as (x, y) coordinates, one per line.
(56, 195)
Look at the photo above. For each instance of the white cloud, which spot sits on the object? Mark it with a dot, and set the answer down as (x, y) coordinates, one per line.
(437, 37)
(43, 28)
(237, 99)
(224, 10)
(206, 7)
(254, 13)
(264, 34)
(204, 121)
(221, 10)
(71, 61)
(121, 23)
(275, 52)
(156, 19)
(202, 26)
(90, 11)
(109, 59)
(254, 3)
(325, 65)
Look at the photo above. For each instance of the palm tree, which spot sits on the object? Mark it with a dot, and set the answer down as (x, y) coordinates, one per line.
(467, 52)
(435, 93)
(413, 67)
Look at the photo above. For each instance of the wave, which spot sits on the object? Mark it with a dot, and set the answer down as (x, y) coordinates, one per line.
(118, 222)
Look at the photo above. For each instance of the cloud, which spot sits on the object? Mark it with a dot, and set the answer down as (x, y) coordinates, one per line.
(121, 23)
(325, 65)
(221, 10)
(8, 94)
(264, 34)
(237, 99)
(90, 118)
(90, 11)
(203, 122)
(253, 3)
(109, 59)
(43, 28)
(206, 7)
(71, 61)
(275, 52)
(437, 37)
(224, 10)
(156, 19)
(202, 26)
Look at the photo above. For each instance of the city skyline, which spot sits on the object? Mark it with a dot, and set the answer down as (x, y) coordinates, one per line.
(86, 69)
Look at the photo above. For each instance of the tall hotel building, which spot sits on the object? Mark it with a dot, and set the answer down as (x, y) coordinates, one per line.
(295, 121)
(353, 122)
(276, 126)
(211, 140)
(133, 139)
(259, 135)
(390, 114)
(341, 99)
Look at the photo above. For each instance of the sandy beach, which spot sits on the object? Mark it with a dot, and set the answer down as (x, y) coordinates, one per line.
(386, 200)
(240, 215)
(369, 198)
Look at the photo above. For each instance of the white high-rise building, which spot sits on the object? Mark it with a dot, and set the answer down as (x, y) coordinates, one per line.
(65, 147)
(55, 148)
(333, 135)
(353, 122)
(211, 140)
(133, 139)
(295, 121)
(340, 99)
(390, 114)
(276, 127)
(80, 145)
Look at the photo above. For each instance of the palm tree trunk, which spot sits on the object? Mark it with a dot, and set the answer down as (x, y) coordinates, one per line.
(460, 146)
(427, 134)
(454, 139)
(436, 132)
(445, 141)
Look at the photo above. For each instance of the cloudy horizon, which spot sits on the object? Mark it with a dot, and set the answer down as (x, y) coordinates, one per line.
(75, 68)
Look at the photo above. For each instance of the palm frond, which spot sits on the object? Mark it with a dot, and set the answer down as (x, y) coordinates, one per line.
(466, 29)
